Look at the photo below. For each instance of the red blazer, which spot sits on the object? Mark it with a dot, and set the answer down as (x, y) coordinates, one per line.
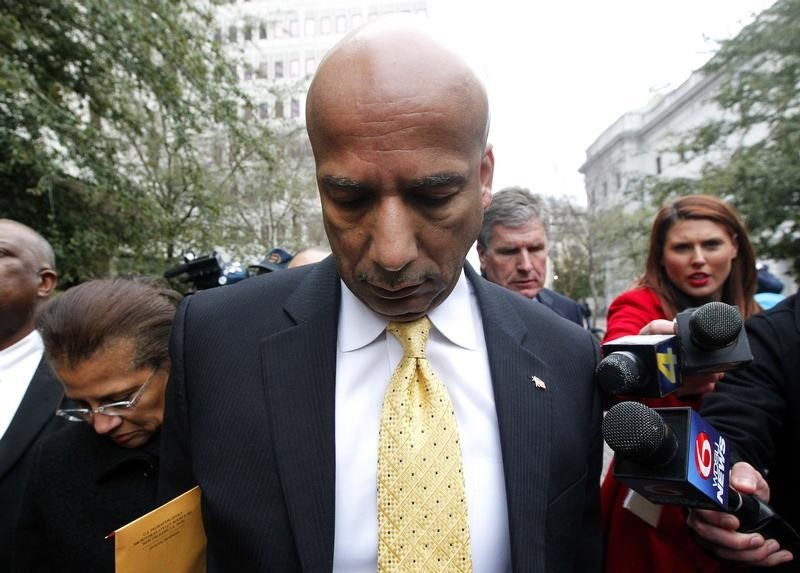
(631, 544)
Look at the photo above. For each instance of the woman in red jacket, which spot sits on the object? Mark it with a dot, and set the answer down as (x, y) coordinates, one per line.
(699, 252)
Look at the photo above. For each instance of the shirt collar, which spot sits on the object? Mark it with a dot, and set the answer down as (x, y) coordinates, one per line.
(21, 349)
(453, 318)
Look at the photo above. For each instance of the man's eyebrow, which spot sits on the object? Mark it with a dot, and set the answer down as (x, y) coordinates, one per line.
(437, 180)
(427, 182)
(342, 183)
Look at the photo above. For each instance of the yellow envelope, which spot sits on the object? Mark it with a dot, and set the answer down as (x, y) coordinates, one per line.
(169, 538)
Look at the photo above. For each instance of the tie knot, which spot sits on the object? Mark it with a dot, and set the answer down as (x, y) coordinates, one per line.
(413, 336)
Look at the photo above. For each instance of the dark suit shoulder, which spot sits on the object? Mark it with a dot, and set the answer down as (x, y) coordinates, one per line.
(268, 295)
(513, 306)
(562, 305)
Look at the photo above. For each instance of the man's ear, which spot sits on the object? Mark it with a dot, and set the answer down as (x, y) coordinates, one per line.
(47, 282)
(487, 174)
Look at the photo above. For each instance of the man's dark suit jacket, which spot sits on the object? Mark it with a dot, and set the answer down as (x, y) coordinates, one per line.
(34, 420)
(250, 417)
(562, 305)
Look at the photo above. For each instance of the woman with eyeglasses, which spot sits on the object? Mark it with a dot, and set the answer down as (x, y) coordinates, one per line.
(107, 341)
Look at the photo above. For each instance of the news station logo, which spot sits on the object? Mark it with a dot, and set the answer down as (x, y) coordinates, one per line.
(668, 366)
(703, 457)
(710, 461)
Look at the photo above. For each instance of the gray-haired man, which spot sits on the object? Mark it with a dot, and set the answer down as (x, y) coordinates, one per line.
(513, 245)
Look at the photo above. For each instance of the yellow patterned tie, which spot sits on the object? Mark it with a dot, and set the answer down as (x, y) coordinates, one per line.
(422, 507)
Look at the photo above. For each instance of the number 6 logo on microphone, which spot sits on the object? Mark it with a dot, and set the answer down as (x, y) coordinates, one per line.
(703, 457)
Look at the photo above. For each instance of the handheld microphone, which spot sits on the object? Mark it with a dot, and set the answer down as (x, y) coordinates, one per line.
(710, 338)
(673, 456)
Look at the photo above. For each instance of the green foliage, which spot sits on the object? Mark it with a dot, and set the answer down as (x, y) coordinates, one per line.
(579, 251)
(569, 248)
(109, 112)
(759, 135)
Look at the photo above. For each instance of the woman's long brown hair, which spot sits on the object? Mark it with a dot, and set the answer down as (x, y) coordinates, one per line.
(740, 286)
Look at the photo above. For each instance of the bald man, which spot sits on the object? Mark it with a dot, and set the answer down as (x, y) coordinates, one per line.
(308, 256)
(276, 411)
(29, 392)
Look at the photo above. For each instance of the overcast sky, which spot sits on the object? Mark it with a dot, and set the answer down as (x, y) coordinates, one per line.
(560, 72)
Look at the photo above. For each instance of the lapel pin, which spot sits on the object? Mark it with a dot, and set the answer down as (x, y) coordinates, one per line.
(538, 382)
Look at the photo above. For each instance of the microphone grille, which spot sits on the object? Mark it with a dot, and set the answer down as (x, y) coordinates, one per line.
(618, 373)
(638, 433)
(715, 325)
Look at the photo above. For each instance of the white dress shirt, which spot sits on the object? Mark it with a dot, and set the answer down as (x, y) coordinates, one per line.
(365, 359)
(18, 364)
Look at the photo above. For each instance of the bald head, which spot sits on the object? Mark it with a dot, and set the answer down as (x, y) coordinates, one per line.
(308, 256)
(397, 61)
(27, 277)
(33, 242)
(398, 126)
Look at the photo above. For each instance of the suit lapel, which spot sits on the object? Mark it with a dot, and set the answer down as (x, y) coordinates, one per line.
(300, 372)
(300, 392)
(35, 411)
(524, 418)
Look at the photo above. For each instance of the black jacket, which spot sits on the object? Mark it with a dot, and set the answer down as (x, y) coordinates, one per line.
(82, 488)
(562, 305)
(33, 421)
(757, 408)
(250, 416)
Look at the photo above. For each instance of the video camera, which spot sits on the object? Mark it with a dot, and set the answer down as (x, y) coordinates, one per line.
(206, 271)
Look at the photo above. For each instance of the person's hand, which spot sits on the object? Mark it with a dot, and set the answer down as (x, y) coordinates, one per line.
(716, 531)
(693, 384)
(659, 326)
(698, 384)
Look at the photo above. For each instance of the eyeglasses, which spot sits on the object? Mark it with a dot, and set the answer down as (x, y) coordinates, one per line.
(113, 409)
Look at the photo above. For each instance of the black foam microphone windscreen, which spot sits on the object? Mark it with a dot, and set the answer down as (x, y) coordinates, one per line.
(715, 325)
(640, 434)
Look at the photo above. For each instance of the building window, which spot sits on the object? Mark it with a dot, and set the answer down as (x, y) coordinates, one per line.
(278, 69)
(311, 66)
(248, 112)
(248, 33)
(261, 73)
(295, 107)
(218, 35)
(248, 72)
(294, 28)
(279, 29)
(263, 110)
(325, 25)
(232, 34)
(262, 31)
(279, 109)
(658, 165)
(341, 24)
(309, 27)
(356, 20)
(294, 68)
